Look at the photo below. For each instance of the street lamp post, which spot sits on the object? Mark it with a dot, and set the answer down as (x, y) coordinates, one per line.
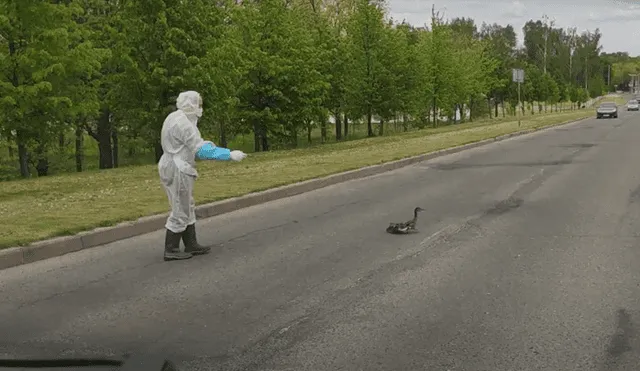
(634, 83)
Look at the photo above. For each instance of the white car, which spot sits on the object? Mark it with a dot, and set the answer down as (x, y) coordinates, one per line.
(633, 105)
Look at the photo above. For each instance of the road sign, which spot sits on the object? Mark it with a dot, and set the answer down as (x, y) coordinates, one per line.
(518, 75)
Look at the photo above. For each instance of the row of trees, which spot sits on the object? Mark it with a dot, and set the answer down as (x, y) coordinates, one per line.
(277, 69)
(623, 66)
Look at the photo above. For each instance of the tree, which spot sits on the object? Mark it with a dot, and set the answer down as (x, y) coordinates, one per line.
(442, 77)
(99, 22)
(272, 70)
(366, 40)
(408, 73)
(501, 43)
(159, 49)
(554, 94)
(44, 51)
(533, 87)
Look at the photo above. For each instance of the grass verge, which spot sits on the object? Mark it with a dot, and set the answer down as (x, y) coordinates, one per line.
(618, 99)
(38, 209)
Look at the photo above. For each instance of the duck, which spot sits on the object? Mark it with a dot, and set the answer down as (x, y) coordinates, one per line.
(406, 227)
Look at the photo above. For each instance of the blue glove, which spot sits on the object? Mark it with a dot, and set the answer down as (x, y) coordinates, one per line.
(210, 152)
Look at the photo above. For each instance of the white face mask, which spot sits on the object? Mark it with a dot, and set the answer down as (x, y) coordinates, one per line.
(199, 112)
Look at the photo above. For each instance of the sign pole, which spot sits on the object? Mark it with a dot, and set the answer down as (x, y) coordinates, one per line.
(633, 88)
(518, 77)
(519, 104)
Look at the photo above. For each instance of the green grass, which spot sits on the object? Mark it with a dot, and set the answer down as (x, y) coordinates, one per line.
(41, 208)
(618, 99)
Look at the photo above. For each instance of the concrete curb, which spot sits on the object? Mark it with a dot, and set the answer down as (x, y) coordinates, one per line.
(46, 249)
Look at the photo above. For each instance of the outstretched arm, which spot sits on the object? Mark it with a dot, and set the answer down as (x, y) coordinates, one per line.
(209, 151)
(206, 150)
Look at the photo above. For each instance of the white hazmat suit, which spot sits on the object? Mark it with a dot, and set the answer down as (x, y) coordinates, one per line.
(182, 143)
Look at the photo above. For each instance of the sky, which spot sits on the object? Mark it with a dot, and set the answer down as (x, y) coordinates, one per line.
(618, 21)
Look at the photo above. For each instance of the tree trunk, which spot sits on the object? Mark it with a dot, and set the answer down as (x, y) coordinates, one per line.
(256, 137)
(369, 122)
(223, 135)
(103, 136)
(106, 151)
(115, 151)
(309, 132)
(42, 164)
(346, 126)
(20, 139)
(264, 141)
(261, 142)
(381, 127)
(338, 126)
(23, 155)
(323, 128)
(61, 143)
(490, 110)
(495, 104)
(79, 154)
(435, 113)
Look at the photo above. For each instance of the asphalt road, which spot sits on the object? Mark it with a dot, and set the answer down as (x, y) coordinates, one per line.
(528, 258)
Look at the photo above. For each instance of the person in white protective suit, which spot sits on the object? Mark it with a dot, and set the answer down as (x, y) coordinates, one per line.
(181, 144)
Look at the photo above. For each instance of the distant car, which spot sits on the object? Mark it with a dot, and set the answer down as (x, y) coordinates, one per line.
(633, 105)
(607, 109)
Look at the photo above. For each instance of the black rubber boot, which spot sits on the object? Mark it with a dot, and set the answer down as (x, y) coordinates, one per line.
(172, 247)
(191, 242)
